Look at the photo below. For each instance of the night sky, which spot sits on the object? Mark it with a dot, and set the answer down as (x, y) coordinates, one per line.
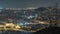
(26, 3)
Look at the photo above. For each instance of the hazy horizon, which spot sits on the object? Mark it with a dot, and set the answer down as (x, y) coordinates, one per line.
(27, 3)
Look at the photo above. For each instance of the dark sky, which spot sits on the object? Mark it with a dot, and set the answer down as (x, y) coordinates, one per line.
(26, 3)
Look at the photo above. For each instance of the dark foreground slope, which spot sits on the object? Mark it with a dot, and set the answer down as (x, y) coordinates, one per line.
(50, 30)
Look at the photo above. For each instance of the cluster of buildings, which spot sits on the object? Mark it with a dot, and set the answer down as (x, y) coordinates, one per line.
(17, 14)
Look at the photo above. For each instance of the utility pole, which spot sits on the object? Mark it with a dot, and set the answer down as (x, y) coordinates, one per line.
(53, 23)
(56, 15)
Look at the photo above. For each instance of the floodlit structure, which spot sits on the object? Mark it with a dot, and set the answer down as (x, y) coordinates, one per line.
(9, 26)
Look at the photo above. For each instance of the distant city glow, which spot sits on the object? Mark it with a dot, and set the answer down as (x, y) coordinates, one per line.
(21, 8)
(31, 8)
(1, 8)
